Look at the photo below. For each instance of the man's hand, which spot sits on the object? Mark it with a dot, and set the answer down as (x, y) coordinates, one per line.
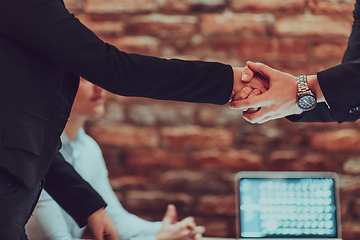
(255, 85)
(101, 226)
(174, 230)
(279, 101)
(242, 89)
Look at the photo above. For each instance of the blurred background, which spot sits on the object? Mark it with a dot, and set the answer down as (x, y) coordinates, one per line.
(187, 154)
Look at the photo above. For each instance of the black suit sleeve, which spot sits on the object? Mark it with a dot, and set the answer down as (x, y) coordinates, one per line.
(48, 29)
(71, 191)
(340, 84)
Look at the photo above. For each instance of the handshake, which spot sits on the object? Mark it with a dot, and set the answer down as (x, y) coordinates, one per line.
(264, 94)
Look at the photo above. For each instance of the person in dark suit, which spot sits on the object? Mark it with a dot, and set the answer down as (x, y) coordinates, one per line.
(43, 51)
(337, 90)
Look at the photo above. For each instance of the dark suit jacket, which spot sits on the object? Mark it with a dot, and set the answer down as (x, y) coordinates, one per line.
(43, 51)
(340, 85)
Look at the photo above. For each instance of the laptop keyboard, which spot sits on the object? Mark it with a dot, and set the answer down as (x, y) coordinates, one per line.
(295, 209)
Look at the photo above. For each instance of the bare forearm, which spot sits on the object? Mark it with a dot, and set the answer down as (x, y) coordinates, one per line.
(315, 88)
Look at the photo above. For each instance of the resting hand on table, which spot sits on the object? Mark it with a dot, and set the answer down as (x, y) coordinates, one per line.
(172, 229)
(100, 227)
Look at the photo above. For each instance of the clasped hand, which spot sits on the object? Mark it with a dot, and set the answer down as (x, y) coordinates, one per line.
(275, 98)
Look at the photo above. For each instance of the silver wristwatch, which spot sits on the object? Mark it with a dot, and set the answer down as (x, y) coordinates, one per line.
(306, 100)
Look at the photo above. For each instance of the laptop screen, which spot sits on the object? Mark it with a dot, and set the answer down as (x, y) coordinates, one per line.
(287, 207)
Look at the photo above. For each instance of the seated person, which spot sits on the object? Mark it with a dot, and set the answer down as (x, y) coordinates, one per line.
(51, 222)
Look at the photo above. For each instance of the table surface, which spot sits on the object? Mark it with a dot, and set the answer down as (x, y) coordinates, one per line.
(214, 238)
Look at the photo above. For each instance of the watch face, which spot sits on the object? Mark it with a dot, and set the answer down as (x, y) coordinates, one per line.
(307, 102)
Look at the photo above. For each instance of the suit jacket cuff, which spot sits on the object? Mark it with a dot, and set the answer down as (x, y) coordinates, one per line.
(340, 91)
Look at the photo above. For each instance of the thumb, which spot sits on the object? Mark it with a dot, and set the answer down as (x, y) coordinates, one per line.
(170, 216)
(247, 74)
(200, 229)
(260, 68)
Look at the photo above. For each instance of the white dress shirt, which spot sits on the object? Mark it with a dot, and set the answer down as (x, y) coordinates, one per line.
(51, 222)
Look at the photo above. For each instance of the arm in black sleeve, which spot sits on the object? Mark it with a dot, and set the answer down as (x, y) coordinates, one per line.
(340, 85)
(49, 30)
(320, 114)
(63, 181)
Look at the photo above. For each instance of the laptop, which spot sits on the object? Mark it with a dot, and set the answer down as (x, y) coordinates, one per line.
(287, 206)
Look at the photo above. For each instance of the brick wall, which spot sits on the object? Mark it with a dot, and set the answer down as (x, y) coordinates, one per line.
(187, 154)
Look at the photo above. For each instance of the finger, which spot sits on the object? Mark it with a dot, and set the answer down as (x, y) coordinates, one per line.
(255, 92)
(200, 229)
(198, 236)
(263, 85)
(264, 120)
(268, 118)
(260, 68)
(186, 233)
(255, 117)
(253, 102)
(243, 94)
(247, 74)
(189, 222)
(170, 216)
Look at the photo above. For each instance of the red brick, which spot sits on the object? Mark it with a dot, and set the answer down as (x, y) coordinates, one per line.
(116, 7)
(162, 114)
(113, 158)
(352, 166)
(124, 99)
(258, 139)
(196, 137)
(293, 161)
(157, 200)
(217, 205)
(163, 26)
(258, 48)
(273, 49)
(125, 136)
(104, 28)
(308, 68)
(241, 23)
(131, 182)
(213, 48)
(344, 208)
(356, 207)
(315, 162)
(314, 26)
(218, 46)
(282, 160)
(293, 49)
(331, 6)
(329, 50)
(343, 140)
(188, 6)
(216, 115)
(215, 227)
(145, 45)
(287, 6)
(74, 6)
(114, 111)
(156, 158)
(349, 185)
(232, 160)
(195, 182)
(350, 230)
